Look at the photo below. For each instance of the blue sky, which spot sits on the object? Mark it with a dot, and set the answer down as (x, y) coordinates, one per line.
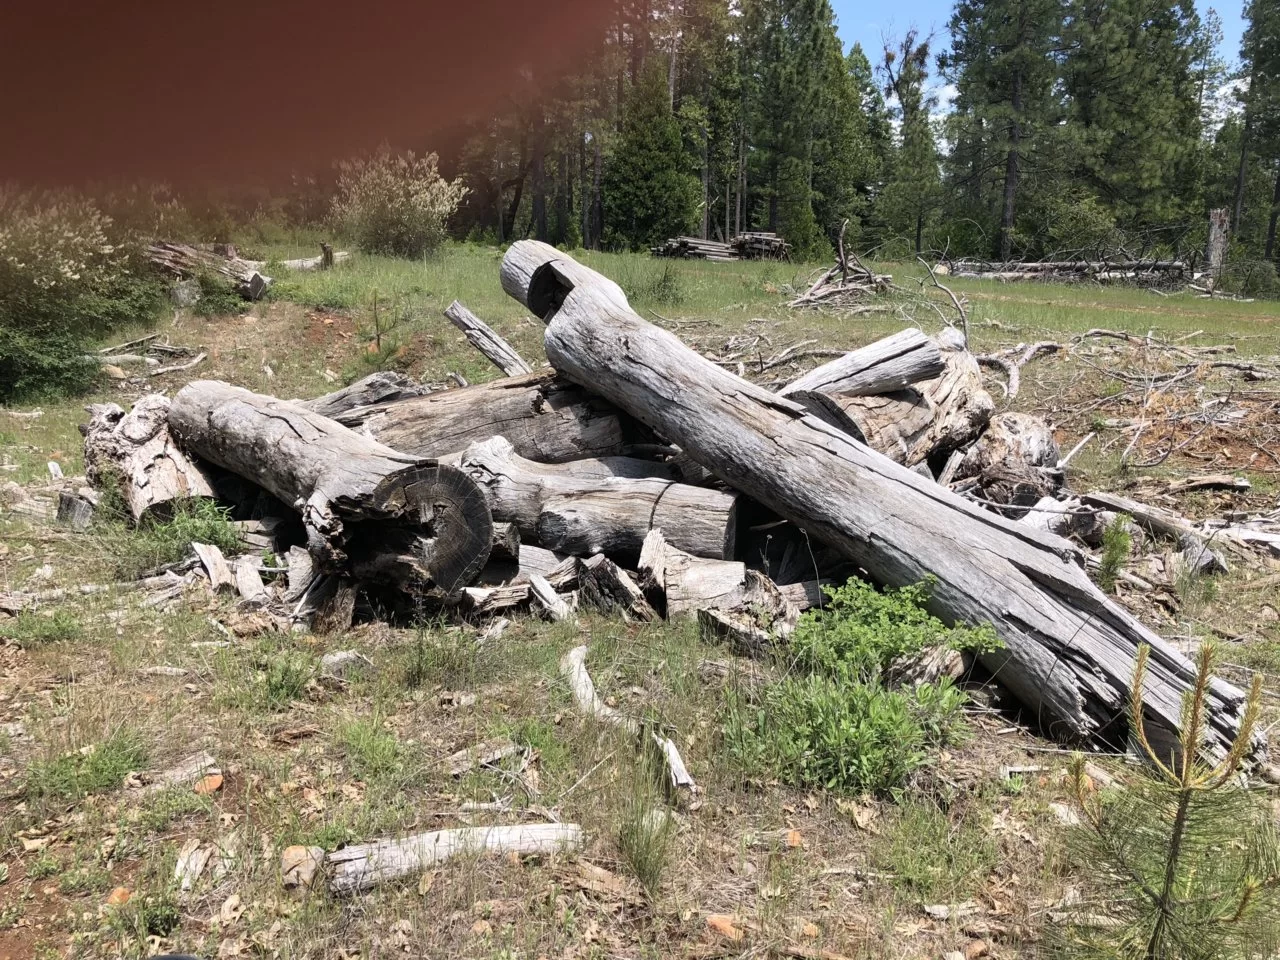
(866, 22)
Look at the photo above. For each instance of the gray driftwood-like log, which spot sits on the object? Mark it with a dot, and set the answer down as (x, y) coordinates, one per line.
(916, 423)
(567, 509)
(369, 510)
(481, 336)
(545, 418)
(385, 386)
(362, 866)
(607, 587)
(134, 454)
(881, 367)
(187, 262)
(1069, 651)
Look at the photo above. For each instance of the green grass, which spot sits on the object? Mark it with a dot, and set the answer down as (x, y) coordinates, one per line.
(372, 751)
(97, 768)
(934, 857)
(32, 628)
(157, 541)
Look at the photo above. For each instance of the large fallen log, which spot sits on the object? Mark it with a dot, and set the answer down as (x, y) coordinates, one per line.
(368, 510)
(187, 262)
(916, 423)
(881, 367)
(134, 454)
(385, 386)
(600, 506)
(1069, 652)
(546, 419)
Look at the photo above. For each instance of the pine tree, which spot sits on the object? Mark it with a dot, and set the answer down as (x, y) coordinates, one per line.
(1004, 75)
(1260, 60)
(649, 192)
(913, 193)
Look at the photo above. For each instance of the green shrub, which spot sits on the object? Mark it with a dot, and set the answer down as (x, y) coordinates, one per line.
(832, 722)
(396, 204)
(217, 298)
(68, 275)
(860, 631)
(101, 767)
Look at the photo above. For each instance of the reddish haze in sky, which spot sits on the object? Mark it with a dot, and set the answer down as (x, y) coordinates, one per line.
(224, 91)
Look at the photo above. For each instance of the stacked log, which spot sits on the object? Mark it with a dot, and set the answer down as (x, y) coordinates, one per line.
(693, 248)
(761, 246)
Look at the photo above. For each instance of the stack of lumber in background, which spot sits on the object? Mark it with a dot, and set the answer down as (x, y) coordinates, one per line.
(1140, 272)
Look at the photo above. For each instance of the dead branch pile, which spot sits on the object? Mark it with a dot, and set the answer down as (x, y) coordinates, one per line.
(642, 479)
(845, 285)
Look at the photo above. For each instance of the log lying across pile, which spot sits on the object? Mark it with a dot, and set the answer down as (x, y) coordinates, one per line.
(634, 453)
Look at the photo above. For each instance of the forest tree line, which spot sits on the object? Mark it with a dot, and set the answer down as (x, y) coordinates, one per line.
(1078, 127)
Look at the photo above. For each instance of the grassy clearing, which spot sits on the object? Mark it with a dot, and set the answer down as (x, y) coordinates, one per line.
(307, 762)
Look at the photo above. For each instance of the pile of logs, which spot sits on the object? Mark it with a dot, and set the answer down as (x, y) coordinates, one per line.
(693, 248)
(1147, 273)
(745, 246)
(640, 478)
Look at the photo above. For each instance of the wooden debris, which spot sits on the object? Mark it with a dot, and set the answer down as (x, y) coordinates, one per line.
(481, 336)
(609, 588)
(488, 754)
(547, 600)
(188, 263)
(884, 366)
(384, 386)
(363, 866)
(1069, 651)
(249, 582)
(183, 774)
(216, 566)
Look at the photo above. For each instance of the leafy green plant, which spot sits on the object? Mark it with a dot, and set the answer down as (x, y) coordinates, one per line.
(282, 679)
(395, 203)
(1183, 862)
(99, 767)
(832, 722)
(1116, 543)
(32, 628)
(936, 856)
(383, 332)
(217, 298)
(372, 751)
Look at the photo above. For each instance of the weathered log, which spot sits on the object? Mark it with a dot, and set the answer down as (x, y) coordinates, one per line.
(487, 600)
(362, 866)
(75, 510)
(609, 588)
(1069, 651)
(1014, 462)
(133, 454)
(215, 565)
(481, 336)
(881, 367)
(545, 418)
(916, 423)
(187, 262)
(506, 543)
(587, 507)
(385, 386)
(547, 600)
(367, 509)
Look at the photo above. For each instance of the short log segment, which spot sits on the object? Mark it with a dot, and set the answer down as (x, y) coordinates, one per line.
(134, 453)
(368, 510)
(481, 336)
(600, 506)
(385, 386)
(545, 418)
(1069, 651)
(915, 423)
(1014, 462)
(881, 367)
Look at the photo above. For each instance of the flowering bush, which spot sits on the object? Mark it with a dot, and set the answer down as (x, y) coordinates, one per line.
(67, 275)
(396, 204)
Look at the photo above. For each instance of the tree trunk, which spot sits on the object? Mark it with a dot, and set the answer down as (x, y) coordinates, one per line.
(1069, 652)
(481, 336)
(1215, 249)
(601, 506)
(911, 425)
(367, 509)
(1011, 176)
(187, 262)
(1269, 253)
(134, 453)
(545, 418)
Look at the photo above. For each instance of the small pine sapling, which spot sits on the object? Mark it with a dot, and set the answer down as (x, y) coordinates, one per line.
(1116, 544)
(1184, 863)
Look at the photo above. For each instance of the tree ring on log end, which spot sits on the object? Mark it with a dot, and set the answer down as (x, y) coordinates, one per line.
(436, 537)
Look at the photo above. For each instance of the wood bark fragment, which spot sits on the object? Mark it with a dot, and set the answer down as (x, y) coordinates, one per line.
(366, 865)
(367, 509)
(215, 565)
(249, 582)
(385, 386)
(481, 336)
(545, 418)
(608, 587)
(547, 600)
(1069, 651)
(487, 754)
(1014, 462)
(135, 455)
